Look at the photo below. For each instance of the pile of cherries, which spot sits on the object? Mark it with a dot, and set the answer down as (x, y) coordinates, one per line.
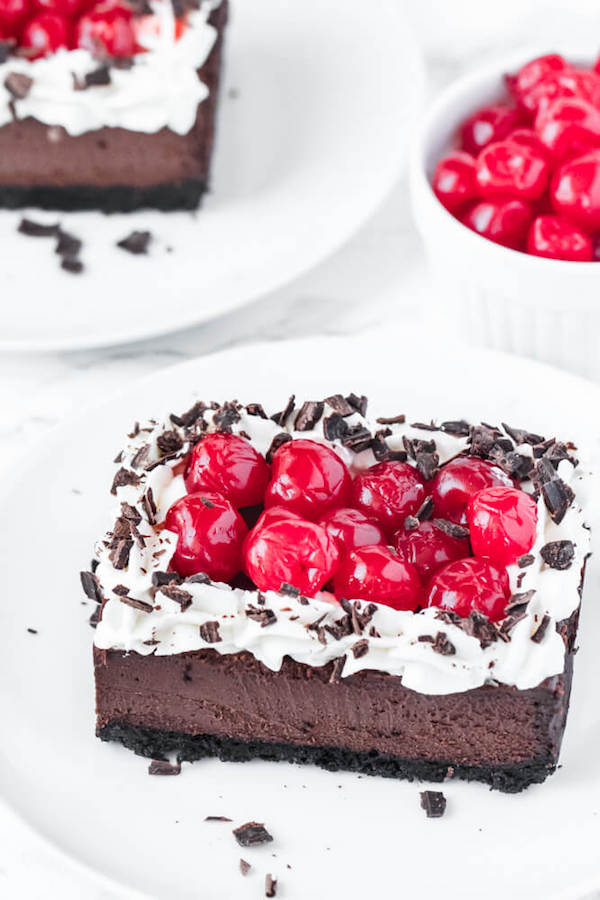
(527, 174)
(306, 521)
(37, 28)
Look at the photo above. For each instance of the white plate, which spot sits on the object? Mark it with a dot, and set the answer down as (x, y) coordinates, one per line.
(326, 92)
(343, 835)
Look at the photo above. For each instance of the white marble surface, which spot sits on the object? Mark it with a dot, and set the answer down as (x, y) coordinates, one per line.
(378, 279)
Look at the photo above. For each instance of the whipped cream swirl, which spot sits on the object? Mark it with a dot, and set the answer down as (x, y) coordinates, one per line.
(161, 90)
(315, 631)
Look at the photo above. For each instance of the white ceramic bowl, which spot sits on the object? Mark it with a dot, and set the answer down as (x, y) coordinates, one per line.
(486, 293)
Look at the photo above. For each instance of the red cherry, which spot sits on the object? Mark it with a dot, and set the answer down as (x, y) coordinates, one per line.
(505, 222)
(503, 524)
(575, 191)
(275, 514)
(527, 137)
(570, 82)
(428, 548)
(44, 34)
(458, 480)
(568, 126)
(492, 123)
(210, 536)
(533, 72)
(507, 169)
(107, 29)
(377, 574)
(13, 15)
(351, 528)
(555, 238)
(291, 551)
(308, 478)
(454, 180)
(69, 9)
(229, 465)
(470, 584)
(389, 492)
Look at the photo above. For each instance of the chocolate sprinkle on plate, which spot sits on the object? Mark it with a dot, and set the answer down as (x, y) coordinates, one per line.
(35, 229)
(270, 886)
(209, 632)
(526, 560)
(558, 554)
(244, 867)
(32, 630)
(137, 242)
(434, 804)
(217, 819)
(164, 767)
(252, 834)
(540, 631)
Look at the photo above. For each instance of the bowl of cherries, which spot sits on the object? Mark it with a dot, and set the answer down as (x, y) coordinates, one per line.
(505, 183)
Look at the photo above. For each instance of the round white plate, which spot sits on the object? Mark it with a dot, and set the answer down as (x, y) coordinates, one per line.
(342, 835)
(316, 108)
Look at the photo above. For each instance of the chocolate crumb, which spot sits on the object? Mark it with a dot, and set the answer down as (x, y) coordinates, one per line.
(558, 554)
(336, 670)
(244, 867)
(91, 586)
(252, 834)
(526, 560)
(95, 78)
(256, 409)
(270, 886)
(308, 415)
(35, 229)
(340, 405)
(209, 632)
(161, 578)
(391, 420)
(540, 631)
(359, 404)
(451, 529)
(280, 418)
(360, 648)
(137, 242)
(32, 630)
(163, 767)
(217, 819)
(137, 604)
(18, 85)
(169, 442)
(124, 477)
(434, 804)
(177, 595)
(458, 427)
(149, 506)
(276, 443)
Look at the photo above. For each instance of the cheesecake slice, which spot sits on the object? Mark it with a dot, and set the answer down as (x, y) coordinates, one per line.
(319, 586)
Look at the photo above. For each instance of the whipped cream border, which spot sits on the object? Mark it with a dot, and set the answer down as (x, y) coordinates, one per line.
(161, 90)
(308, 629)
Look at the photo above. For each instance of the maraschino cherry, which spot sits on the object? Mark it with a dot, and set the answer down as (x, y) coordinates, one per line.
(107, 29)
(492, 123)
(429, 548)
(511, 169)
(351, 528)
(454, 182)
(210, 534)
(458, 480)
(470, 584)
(13, 15)
(555, 238)
(377, 574)
(229, 465)
(290, 551)
(502, 522)
(389, 492)
(308, 478)
(45, 34)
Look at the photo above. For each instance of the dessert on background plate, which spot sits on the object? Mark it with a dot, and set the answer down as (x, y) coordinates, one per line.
(397, 599)
(108, 105)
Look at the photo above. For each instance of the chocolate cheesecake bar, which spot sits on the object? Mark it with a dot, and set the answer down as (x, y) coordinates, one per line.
(115, 113)
(391, 598)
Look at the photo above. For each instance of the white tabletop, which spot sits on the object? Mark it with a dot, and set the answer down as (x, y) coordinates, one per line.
(379, 278)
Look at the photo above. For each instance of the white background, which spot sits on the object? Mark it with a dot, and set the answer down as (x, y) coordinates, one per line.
(378, 278)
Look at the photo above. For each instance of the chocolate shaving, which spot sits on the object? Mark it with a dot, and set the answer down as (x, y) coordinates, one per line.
(413, 446)
(336, 670)
(340, 405)
(95, 78)
(510, 621)
(34, 229)
(91, 586)
(281, 418)
(209, 632)
(411, 523)
(558, 554)
(159, 579)
(289, 589)
(149, 506)
(514, 464)
(427, 464)
(540, 631)
(391, 420)
(217, 819)
(526, 560)
(5, 50)
(425, 426)
(360, 648)
(252, 834)
(139, 458)
(119, 553)
(478, 625)
(169, 442)
(244, 867)
(130, 512)
(270, 886)
(308, 415)
(558, 497)
(18, 85)
(95, 617)
(198, 578)
(519, 600)
(137, 604)
(177, 595)
(189, 418)
(164, 767)
(425, 510)
(458, 427)
(124, 477)
(137, 242)
(340, 628)
(434, 804)
(276, 443)
(358, 404)
(255, 409)
(443, 645)
(521, 436)
(264, 616)
(381, 450)
(483, 439)
(451, 529)
(70, 264)
(207, 503)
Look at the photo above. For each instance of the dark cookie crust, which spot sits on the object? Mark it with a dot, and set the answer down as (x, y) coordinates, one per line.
(155, 743)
